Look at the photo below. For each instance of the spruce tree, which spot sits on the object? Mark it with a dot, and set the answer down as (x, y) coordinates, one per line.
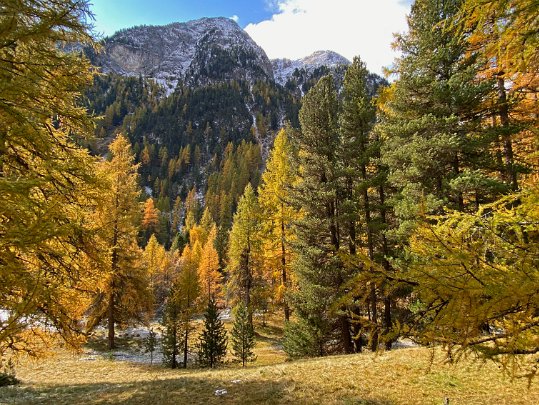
(213, 341)
(150, 343)
(243, 335)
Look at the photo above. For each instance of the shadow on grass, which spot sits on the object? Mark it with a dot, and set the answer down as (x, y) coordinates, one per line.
(178, 390)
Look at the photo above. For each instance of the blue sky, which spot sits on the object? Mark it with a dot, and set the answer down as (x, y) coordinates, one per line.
(283, 28)
(112, 15)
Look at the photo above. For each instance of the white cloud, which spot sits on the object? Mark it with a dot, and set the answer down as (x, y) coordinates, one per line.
(235, 18)
(349, 27)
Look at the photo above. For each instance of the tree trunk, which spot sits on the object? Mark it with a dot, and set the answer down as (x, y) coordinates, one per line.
(506, 137)
(387, 320)
(185, 345)
(248, 283)
(283, 266)
(174, 346)
(114, 268)
(346, 335)
(374, 319)
(356, 331)
(110, 321)
(456, 171)
(387, 266)
(370, 246)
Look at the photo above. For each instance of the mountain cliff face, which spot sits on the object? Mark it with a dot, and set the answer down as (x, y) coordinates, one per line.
(197, 52)
(284, 68)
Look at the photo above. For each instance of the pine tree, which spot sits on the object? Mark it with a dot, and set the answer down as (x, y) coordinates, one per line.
(243, 335)
(48, 184)
(213, 341)
(472, 278)
(364, 211)
(317, 265)
(436, 148)
(123, 294)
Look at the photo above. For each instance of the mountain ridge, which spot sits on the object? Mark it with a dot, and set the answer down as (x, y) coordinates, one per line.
(186, 51)
(199, 52)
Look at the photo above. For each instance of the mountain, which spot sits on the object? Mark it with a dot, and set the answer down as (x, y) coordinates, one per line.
(197, 52)
(284, 69)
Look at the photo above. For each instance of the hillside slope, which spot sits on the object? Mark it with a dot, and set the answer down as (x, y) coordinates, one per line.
(404, 376)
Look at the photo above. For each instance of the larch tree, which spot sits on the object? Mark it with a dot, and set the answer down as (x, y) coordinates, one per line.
(192, 209)
(150, 219)
(185, 297)
(47, 183)
(244, 251)
(475, 273)
(177, 215)
(278, 215)
(208, 269)
(123, 294)
(477, 281)
(157, 263)
(506, 34)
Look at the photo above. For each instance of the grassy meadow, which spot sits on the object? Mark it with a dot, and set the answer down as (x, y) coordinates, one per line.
(402, 376)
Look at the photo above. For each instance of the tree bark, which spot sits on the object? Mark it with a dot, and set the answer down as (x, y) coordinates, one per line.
(506, 137)
(370, 246)
(456, 171)
(185, 345)
(112, 294)
(110, 321)
(283, 266)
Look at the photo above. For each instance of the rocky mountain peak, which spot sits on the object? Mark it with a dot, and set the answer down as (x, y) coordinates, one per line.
(284, 68)
(197, 51)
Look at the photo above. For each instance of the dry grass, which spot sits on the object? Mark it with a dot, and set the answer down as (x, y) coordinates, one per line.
(404, 376)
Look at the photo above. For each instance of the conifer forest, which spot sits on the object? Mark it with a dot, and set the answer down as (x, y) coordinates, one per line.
(345, 213)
